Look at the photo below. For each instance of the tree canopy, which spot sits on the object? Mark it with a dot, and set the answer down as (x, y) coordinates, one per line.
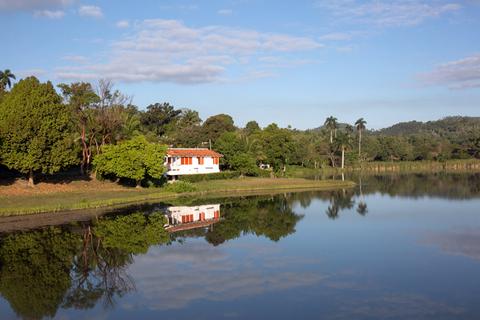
(35, 129)
(134, 159)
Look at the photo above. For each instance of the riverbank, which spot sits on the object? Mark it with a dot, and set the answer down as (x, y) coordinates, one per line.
(452, 166)
(18, 199)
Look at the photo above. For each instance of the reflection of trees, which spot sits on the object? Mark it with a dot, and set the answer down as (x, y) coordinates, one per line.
(272, 218)
(339, 200)
(45, 269)
(35, 270)
(445, 185)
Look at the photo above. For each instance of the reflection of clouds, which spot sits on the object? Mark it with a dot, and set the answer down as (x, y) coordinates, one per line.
(460, 242)
(172, 277)
(395, 306)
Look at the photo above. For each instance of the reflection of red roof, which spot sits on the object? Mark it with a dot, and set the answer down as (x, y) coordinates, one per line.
(194, 152)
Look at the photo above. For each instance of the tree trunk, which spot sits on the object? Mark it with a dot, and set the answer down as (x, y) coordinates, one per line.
(139, 184)
(331, 136)
(84, 150)
(31, 182)
(343, 157)
(359, 144)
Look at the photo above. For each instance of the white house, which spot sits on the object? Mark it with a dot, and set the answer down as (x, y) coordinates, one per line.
(183, 214)
(181, 161)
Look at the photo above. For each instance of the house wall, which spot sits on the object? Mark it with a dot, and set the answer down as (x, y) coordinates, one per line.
(177, 168)
(183, 214)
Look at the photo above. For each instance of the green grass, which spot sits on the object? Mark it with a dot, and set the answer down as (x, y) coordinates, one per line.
(97, 195)
(468, 165)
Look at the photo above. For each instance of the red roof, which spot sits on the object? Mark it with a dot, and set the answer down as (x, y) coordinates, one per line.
(194, 152)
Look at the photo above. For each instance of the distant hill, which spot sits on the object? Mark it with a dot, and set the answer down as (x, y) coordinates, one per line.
(444, 127)
(340, 126)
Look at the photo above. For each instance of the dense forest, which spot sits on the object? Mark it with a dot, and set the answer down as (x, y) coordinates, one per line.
(96, 128)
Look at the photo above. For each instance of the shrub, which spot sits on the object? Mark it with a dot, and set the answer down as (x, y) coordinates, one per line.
(211, 176)
(181, 187)
(134, 159)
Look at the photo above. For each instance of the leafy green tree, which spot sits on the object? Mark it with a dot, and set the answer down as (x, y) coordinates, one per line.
(244, 163)
(36, 130)
(158, 116)
(252, 127)
(229, 144)
(216, 125)
(134, 159)
(82, 99)
(278, 146)
(6, 77)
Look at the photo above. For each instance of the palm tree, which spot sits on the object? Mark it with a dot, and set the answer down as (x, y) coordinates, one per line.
(343, 141)
(5, 77)
(331, 124)
(360, 124)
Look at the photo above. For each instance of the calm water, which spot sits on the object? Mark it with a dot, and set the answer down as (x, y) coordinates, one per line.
(399, 247)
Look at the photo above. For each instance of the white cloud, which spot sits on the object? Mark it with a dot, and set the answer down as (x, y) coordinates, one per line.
(123, 24)
(90, 11)
(50, 14)
(336, 36)
(169, 51)
(387, 13)
(203, 272)
(75, 58)
(225, 12)
(32, 72)
(32, 5)
(458, 74)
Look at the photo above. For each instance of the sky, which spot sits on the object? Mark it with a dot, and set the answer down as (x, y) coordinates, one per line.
(292, 62)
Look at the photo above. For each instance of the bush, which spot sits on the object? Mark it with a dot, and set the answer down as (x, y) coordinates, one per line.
(181, 187)
(211, 176)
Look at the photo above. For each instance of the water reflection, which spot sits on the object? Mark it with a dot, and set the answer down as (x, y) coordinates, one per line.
(170, 256)
(80, 265)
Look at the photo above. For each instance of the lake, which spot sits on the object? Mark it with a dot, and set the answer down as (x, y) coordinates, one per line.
(395, 247)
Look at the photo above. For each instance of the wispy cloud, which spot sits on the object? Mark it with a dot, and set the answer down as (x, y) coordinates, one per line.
(90, 11)
(202, 272)
(75, 58)
(387, 13)
(123, 24)
(336, 36)
(458, 74)
(32, 5)
(225, 12)
(169, 51)
(50, 14)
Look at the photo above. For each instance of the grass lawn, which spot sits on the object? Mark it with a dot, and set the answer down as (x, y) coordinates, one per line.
(17, 198)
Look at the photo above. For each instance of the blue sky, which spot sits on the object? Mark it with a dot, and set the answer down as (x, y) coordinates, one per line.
(289, 62)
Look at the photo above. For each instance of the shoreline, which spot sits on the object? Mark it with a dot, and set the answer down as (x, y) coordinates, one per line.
(103, 198)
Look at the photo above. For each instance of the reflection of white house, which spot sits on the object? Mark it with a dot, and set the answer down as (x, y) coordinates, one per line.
(180, 161)
(180, 215)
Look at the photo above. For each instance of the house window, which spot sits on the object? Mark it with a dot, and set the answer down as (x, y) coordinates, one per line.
(200, 160)
(186, 160)
(187, 218)
(215, 160)
(216, 215)
(202, 216)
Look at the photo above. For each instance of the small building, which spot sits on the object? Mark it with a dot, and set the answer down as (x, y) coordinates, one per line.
(182, 161)
(187, 214)
(191, 217)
